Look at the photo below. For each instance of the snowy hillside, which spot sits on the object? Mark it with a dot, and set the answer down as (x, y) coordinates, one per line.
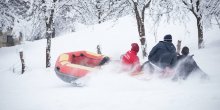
(40, 89)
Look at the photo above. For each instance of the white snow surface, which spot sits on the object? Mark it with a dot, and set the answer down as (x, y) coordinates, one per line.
(40, 89)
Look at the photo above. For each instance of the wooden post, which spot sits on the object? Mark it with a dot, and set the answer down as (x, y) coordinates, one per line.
(98, 49)
(178, 46)
(22, 62)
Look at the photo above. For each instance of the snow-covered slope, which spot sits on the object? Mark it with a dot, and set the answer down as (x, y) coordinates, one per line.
(40, 89)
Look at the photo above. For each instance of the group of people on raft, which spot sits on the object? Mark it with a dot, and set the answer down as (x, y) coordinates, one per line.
(164, 56)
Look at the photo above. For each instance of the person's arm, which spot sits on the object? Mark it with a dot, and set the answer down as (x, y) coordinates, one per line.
(174, 60)
(152, 52)
(104, 60)
(137, 68)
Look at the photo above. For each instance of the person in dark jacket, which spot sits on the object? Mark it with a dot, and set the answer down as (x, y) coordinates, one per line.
(164, 54)
(185, 52)
(187, 65)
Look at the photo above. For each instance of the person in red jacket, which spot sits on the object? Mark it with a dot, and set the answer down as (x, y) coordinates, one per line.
(130, 60)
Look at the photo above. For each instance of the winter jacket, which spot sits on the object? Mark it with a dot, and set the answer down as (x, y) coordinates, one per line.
(180, 57)
(163, 55)
(130, 61)
(186, 65)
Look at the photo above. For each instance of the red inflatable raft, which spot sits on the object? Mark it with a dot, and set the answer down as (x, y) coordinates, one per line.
(74, 65)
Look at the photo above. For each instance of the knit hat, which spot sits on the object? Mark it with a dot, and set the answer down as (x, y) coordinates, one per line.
(167, 38)
(134, 47)
(185, 50)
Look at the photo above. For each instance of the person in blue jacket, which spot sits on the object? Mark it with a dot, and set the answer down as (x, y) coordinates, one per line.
(164, 54)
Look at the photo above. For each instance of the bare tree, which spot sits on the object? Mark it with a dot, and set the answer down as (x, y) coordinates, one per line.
(139, 8)
(204, 11)
(110, 9)
(98, 11)
(12, 12)
(49, 18)
(195, 8)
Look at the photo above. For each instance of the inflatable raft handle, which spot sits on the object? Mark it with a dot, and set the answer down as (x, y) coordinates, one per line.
(58, 68)
(81, 55)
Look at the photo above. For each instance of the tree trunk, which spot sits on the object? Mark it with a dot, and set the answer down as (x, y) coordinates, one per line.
(178, 46)
(22, 62)
(142, 38)
(99, 49)
(141, 29)
(195, 9)
(53, 33)
(98, 7)
(200, 33)
(49, 34)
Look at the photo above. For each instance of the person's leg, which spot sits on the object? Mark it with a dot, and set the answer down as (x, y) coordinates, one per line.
(147, 66)
(167, 72)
